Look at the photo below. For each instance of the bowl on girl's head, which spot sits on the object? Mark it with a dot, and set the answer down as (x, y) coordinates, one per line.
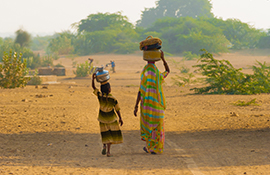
(102, 75)
(152, 55)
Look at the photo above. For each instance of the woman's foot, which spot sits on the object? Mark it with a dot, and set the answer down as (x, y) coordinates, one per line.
(145, 149)
(153, 153)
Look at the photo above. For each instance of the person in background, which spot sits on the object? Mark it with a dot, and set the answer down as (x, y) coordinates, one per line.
(113, 66)
(152, 107)
(90, 60)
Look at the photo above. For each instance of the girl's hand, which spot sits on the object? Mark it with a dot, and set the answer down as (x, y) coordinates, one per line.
(94, 76)
(121, 122)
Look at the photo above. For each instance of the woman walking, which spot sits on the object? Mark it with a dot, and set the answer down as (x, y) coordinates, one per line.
(152, 106)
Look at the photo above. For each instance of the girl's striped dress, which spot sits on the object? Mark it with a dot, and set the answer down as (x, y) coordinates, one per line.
(109, 126)
(152, 108)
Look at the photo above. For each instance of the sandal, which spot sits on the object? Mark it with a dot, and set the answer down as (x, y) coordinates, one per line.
(103, 151)
(145, 149)
(109, 155)
(153, 153)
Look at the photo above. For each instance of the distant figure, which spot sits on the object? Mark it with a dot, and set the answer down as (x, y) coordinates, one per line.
(113, 66)
(90, 60)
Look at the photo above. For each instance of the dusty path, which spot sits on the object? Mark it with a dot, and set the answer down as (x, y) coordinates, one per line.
(54, 130)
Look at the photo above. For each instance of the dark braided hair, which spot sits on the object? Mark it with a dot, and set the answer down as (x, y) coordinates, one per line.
(105, 89)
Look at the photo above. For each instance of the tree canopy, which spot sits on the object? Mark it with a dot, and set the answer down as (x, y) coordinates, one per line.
(103, 21)
(23, 38)
(176, 9)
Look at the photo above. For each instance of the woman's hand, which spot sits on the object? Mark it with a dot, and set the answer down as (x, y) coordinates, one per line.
(162, 55)
(164, 62)
(135, 111)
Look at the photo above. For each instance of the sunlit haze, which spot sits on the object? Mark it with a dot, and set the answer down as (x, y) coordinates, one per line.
(50, 16)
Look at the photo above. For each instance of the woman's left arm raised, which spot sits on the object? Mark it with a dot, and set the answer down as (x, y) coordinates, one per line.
(164, 62)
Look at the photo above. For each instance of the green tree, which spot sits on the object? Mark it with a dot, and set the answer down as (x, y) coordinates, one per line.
(61, 43)
(40, 42)
(189, 34)
(241, 35)
(176, 9)
(103, 21)
(105, 32)
(23, 38)
(264, 41)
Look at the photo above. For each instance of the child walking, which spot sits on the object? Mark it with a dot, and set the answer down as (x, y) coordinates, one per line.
(109, 126)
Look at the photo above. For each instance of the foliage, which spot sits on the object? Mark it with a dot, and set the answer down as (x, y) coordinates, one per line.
(61, 44)
(190, 56)
(103, 21)
(35, 80)
(33, 60)
(40, 42)
(190, 35)
(223, 78)
(175, 9)
(13, 71)
(82, 69)
(125, 47)
(248, 103)
(241, 35)
(185, 77)
(23, 38)
(46, 61)
(264, 41)
(59, 65)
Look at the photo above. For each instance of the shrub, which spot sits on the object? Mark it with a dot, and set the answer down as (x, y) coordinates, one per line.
(35, 80)
(248, 103)
(223, 78)
(82, 69)
(13, 71)
(190, 56)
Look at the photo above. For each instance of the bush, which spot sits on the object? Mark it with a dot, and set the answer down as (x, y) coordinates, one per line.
(190, 56)
(82, 69)
(223, 78)
(35, 80)
(13, 71)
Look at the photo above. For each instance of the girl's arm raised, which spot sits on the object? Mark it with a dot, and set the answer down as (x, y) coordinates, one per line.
(93, 81)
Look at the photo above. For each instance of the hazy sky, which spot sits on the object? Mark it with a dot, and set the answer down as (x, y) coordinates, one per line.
(50, 16)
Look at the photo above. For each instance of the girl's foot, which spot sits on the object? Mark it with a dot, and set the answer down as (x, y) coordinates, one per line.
(103, 150)
(109, 155)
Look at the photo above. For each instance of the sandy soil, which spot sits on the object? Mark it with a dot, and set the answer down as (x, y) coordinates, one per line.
(53, 129)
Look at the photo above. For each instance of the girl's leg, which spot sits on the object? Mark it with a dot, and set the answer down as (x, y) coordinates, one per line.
(108, 149)
(104, 149)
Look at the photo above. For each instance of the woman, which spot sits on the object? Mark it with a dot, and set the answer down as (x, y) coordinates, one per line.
(152, 107)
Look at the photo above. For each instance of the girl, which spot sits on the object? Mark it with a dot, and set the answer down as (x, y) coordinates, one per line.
(109, 126)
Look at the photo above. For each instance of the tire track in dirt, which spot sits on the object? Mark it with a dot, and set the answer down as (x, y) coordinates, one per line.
(192, 166)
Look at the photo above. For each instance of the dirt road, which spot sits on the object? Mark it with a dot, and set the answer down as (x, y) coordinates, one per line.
(53, 129)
